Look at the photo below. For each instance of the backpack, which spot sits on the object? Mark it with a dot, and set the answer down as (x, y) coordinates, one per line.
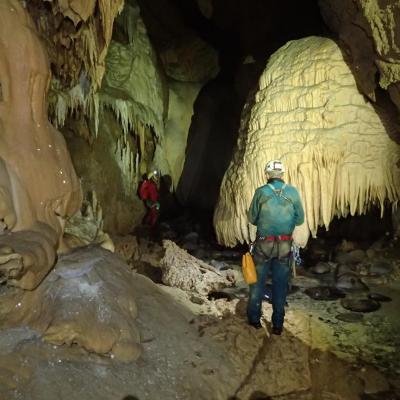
(278, 208)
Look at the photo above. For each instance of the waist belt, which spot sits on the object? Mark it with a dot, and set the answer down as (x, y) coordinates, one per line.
(278, 237)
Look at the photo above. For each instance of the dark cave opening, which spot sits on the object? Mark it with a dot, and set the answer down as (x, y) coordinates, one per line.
(254, 29)
(245, 34)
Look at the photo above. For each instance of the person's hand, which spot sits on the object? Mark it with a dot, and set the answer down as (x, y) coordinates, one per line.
(156, 205)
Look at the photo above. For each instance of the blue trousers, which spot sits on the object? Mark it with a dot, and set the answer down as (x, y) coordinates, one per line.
(278, 268)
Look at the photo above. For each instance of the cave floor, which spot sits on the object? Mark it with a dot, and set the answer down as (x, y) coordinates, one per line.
(196, 348)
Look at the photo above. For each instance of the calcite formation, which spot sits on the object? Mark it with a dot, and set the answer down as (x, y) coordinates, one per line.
(182, 96)
(133, 85)
(77, 34)
(134, 89)
(39, 188)
(87, 300)
(371, 31)
(309, 113)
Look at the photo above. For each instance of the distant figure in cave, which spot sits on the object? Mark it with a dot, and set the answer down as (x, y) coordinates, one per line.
(276, 209)
(149, 193)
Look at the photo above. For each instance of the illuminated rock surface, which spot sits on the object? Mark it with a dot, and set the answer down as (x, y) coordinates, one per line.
(370, 29)
(87, 300)
(39, 185)
(309, 113)
(182, 270)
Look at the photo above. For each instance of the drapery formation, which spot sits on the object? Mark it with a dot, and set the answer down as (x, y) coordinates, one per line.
(39, 188)
(309, 113)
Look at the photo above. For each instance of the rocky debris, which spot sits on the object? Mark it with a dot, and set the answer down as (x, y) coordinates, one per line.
(190, 242)
(182, 270)
(324, 293)
(350, 282)
(360, 305)
(322, 267)
(351, 257)
(127, 247)
(350, 317)
(86, 225)
(379, 297)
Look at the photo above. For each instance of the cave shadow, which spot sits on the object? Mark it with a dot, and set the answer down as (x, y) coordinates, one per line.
(257, 395)
(169, 206)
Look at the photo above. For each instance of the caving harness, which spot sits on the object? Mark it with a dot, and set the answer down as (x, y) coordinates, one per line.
(295, 250)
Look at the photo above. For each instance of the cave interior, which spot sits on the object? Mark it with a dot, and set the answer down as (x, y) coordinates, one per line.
(109, 294)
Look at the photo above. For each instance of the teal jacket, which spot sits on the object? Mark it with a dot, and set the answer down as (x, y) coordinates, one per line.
(276, 216)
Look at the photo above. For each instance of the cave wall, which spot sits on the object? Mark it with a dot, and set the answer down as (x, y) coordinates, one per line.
(369, 31)
(39, 187)
(182, 96)
(76, 34)
(103, 169)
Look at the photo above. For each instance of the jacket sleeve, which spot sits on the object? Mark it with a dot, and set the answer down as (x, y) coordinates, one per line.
(143, 193)
(252, 214)
(298, 209)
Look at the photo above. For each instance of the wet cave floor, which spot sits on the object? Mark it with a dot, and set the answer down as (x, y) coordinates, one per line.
(200, 347)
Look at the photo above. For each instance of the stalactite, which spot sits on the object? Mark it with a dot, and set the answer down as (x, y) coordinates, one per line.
(309, 113)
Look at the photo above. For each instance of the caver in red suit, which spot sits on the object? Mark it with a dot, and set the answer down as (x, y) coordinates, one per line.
(148, 192)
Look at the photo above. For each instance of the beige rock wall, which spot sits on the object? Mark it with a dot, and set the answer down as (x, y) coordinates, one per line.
(309, 113)
(39, 186)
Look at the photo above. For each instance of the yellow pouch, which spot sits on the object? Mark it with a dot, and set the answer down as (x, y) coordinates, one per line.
(249, 269)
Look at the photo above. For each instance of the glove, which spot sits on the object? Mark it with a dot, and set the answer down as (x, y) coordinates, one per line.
(156, 205)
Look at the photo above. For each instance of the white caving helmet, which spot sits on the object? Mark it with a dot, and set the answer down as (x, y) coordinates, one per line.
(153, 174)
(274, 167)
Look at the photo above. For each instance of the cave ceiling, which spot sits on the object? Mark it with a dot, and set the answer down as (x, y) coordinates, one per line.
(77, 33)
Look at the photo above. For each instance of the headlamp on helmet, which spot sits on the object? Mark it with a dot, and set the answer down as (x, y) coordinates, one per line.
(153, 173)
(275, 166)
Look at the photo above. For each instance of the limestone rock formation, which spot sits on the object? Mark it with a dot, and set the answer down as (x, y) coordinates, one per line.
(125, 130)
(133, 85)
(102, 159)
(77, 34)
(39, 188)
(86, 226)
(180, 111)
(191, 60)
(86, 300)
(370, 29)
(182, 270)
(309, 113)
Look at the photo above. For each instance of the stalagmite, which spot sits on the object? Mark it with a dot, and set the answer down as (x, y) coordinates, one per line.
(309, 113)
(39, 188)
